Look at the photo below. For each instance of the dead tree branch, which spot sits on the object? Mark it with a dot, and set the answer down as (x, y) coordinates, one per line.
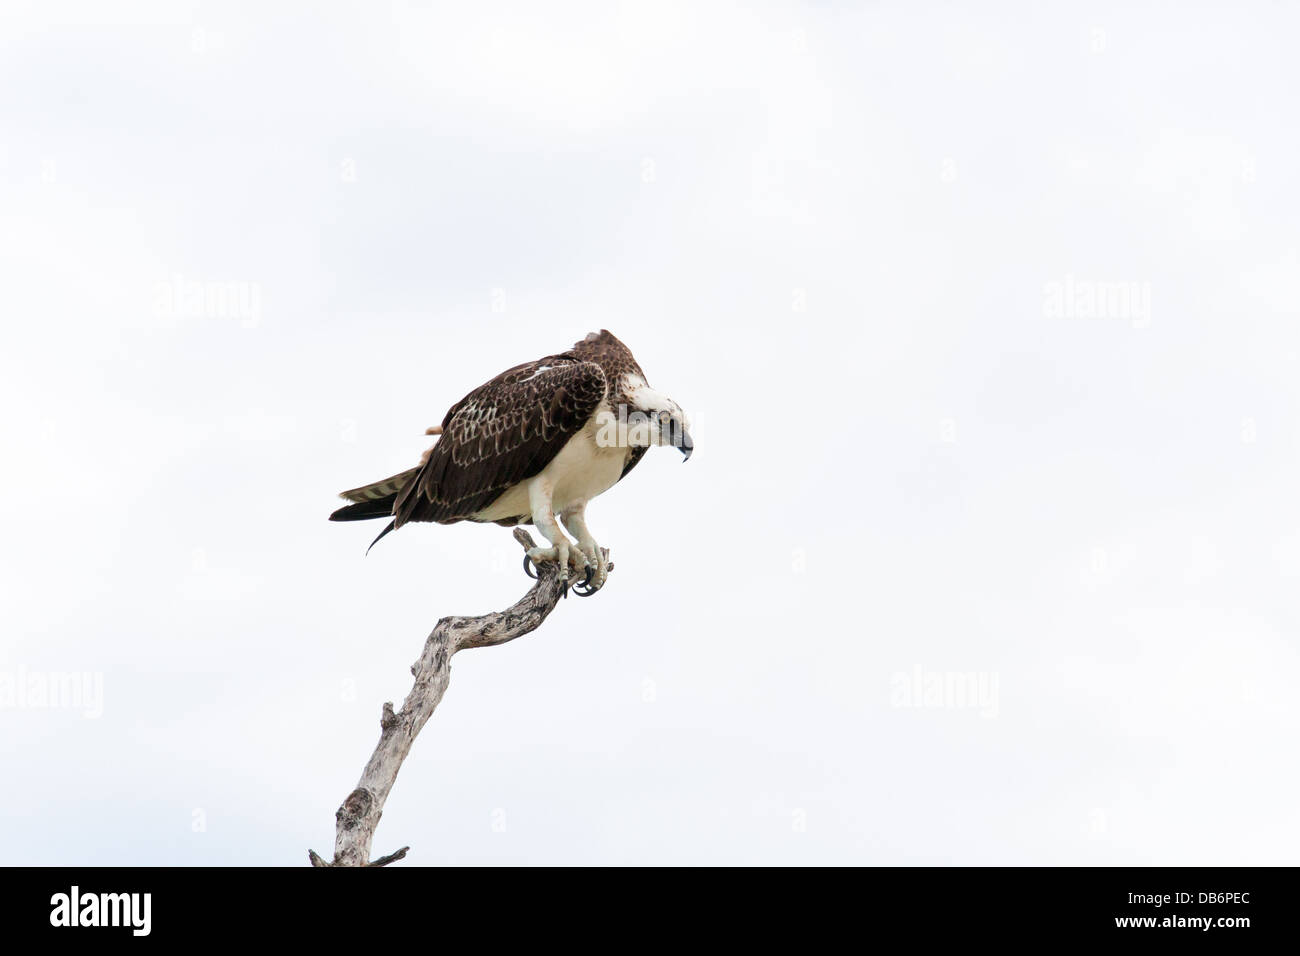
(359, 815)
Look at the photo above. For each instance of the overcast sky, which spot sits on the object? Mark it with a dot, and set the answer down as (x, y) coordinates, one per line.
(986, 321)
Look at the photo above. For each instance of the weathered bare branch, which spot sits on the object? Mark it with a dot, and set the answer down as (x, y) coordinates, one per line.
(359, 815)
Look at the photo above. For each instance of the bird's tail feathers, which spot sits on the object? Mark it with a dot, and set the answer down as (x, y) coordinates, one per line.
(375, 500)
(379, 489)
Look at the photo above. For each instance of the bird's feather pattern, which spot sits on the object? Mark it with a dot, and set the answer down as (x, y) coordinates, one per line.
(500, 434)
(379, 489)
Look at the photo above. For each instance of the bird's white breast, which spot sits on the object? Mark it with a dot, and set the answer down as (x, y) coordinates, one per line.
(583, 469)
(580, 471)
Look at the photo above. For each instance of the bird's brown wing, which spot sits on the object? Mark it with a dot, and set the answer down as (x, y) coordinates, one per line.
(500, 434)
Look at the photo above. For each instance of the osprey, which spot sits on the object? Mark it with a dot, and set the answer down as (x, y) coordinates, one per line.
(539, 440)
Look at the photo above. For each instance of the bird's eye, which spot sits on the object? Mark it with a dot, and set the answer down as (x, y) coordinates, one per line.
(665, 418)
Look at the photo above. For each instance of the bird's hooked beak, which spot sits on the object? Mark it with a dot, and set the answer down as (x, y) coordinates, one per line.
(686, 446)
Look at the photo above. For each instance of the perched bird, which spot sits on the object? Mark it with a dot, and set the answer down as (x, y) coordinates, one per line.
(539, 440)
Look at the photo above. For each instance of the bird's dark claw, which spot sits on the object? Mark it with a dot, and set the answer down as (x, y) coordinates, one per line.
(528, 567)
(583, 588)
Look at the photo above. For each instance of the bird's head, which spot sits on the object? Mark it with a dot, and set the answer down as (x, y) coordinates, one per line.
(655, 419)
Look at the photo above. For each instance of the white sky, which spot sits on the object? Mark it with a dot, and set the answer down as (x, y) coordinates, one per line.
(831, 233)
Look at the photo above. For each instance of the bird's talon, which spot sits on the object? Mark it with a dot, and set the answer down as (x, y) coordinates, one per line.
(584, 570)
